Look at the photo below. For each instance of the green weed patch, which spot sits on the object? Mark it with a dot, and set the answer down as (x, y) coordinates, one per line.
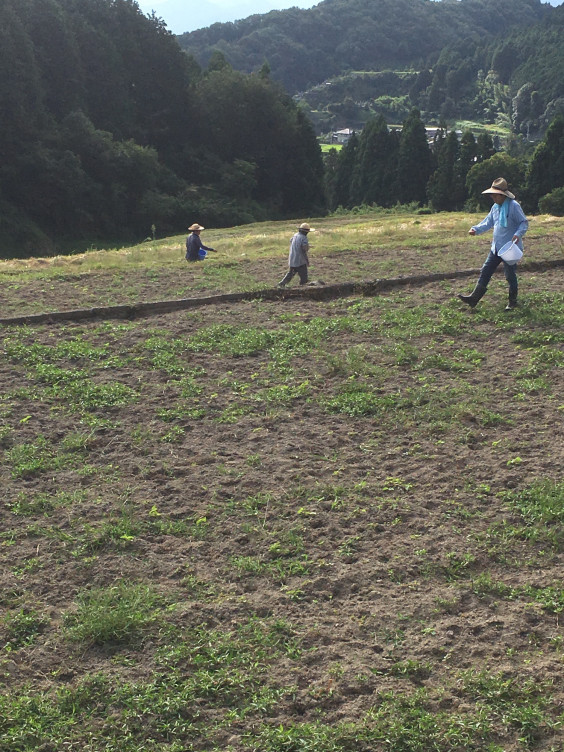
(122, 613)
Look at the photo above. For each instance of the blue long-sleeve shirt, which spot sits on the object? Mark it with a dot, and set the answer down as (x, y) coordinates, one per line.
(517, 224)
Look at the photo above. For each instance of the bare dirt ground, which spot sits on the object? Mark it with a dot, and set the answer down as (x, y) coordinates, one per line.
(376, 527)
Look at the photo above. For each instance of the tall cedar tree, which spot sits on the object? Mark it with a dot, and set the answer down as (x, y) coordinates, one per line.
(467, 157)
(345, 169)
(414, 160)
(445, 191)
(374, 174)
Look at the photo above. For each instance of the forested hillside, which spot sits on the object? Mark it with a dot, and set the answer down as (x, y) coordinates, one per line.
(517, 79)
(305, 47)
(351, 59)
(109, 132)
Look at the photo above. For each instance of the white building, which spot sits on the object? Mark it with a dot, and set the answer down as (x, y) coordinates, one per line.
(342, 136)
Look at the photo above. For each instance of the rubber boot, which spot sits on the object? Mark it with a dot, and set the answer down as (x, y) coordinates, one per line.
(512, 302)
(477, 294)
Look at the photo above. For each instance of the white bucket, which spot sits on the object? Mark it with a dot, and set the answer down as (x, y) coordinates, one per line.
(511, 253)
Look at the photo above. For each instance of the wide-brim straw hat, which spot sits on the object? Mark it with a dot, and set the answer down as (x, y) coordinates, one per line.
(306, 227)
(499, 185)
(195, 227)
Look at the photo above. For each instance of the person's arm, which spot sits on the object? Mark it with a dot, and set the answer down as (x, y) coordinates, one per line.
(205, 248)
(486, 224)
(521, 220)
(305, 249)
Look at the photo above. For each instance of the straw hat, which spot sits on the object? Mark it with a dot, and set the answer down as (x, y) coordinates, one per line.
(499, 185)
(195, 227)
(304, 226)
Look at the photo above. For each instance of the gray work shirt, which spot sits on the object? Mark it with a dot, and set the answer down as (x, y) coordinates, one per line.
(299, 247)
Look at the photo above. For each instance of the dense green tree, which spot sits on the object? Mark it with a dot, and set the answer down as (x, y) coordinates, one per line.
(374, 173)
(482, 175)
(546, 169)
(466, 159)
(331, 166)
(344, 172)
(108, 127)
(57, 54)
(553, 203)
(421, 84)
(250, 118)
(218, 62)
(437, 90)
(445, 190)
(526, 110)
(21, 94)
(304, 176)
(505, 58)
(468, 152)
(459, 79)
(484, 147)
(414, 160)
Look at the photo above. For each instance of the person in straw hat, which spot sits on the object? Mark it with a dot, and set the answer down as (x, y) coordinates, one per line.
(298, 259)
(509, 225)
(194, 244)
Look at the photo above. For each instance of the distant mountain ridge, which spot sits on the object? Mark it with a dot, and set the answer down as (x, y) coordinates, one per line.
(182, 17)
(305, 47)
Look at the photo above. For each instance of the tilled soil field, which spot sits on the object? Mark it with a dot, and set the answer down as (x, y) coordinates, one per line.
(285, 526)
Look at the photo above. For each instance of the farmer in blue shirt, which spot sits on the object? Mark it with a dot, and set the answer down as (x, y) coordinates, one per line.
(298, 260)
(509, 225)
(194, 244)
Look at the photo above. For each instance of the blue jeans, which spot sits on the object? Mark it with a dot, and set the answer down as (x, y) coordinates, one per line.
(489, 267)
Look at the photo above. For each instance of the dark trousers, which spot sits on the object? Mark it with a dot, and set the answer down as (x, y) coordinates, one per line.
(489, 267)
(292, 271)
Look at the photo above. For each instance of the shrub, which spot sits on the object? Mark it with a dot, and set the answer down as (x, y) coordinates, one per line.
(553, 203)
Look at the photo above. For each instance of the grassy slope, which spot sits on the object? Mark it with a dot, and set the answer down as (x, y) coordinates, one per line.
(437, 242)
